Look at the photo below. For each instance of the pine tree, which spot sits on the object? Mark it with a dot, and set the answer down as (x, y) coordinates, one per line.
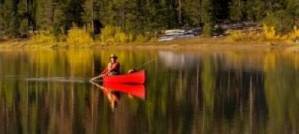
(88, 15)
(192, 14)
(207, 16)
(59, 18)
(14, 24)
(17, 17)
(44, 15)
(74, 11)
(23, 14)
(255, 10)
(4, 18)
(236, 12)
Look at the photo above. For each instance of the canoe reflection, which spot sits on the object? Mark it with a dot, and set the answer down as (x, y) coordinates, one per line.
(133, 90)
(113, 92)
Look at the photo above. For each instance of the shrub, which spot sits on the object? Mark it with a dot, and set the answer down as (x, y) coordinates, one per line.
(107, 33)
(208, 29)
(78, 37)
(237, 35)
(270, 33)
(141, 38)
(294, 35)
(281, 20)
(121, 37)
(42, 38)
(113, 34)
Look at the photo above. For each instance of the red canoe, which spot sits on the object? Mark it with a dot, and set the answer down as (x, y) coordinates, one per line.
(134, 90)
(131, 78)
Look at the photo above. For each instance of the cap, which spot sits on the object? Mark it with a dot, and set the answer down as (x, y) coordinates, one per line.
(113, 56)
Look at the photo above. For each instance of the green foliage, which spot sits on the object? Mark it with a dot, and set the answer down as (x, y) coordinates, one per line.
(236, 10)
(208, 29)
(280, 20)
(4, 17)
(18, 17)
(254, 10)
(191, 8)
(207, 17)
(73, 12)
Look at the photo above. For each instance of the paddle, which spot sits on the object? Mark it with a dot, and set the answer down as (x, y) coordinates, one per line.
(97, 78)
(56, 79)
(96, 84)
(147, 62)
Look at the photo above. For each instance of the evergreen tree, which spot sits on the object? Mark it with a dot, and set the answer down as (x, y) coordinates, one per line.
(14, 20)
(18, 17)
(207, 16)
(4, 17)
(255, 10)
(59, 17)
(236, 12)
(23, 13)
(73, 12)
(44, 14)
(191, 11)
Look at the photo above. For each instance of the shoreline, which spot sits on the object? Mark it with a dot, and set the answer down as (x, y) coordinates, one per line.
(211, 44)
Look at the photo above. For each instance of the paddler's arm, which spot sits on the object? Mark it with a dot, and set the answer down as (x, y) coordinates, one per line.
(114, 66)
(103, 73)
(106, 70)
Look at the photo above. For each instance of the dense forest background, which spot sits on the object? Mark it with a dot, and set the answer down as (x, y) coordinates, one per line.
(20, 17)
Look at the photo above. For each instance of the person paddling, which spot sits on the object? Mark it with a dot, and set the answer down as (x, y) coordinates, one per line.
(113, 67)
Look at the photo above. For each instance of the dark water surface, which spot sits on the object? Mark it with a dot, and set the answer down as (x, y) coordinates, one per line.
(187, 92)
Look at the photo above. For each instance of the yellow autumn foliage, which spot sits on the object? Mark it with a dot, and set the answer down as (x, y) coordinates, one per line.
(78, 37)
(293, 35)
(43, 37)
(114, 34)
(270, 33)
(237, 35)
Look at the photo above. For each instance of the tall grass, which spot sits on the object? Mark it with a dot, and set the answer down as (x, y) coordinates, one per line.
(43, 37)
(268, 33)
(113, 35)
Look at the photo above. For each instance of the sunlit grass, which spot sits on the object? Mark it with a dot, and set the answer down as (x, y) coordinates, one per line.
(113, 35)
(267, 34)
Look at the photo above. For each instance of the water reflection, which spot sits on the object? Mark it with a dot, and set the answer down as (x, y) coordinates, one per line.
(114, 91)
(187, 92)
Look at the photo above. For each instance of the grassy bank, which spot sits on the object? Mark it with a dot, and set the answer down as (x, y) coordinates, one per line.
(115, 37)
(198, 42)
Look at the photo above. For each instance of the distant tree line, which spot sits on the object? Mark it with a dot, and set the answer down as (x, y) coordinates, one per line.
(18, 17)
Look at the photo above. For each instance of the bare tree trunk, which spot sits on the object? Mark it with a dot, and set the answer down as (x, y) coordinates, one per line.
(179, 9)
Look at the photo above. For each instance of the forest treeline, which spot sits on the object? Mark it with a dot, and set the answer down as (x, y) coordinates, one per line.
(20, 17)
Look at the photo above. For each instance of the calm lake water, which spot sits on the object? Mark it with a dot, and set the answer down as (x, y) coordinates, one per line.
(232, 92)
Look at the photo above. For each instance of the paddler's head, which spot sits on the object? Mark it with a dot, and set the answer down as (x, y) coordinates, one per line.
(113, 58)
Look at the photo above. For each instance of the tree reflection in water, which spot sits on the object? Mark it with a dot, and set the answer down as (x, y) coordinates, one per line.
(206, 92)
